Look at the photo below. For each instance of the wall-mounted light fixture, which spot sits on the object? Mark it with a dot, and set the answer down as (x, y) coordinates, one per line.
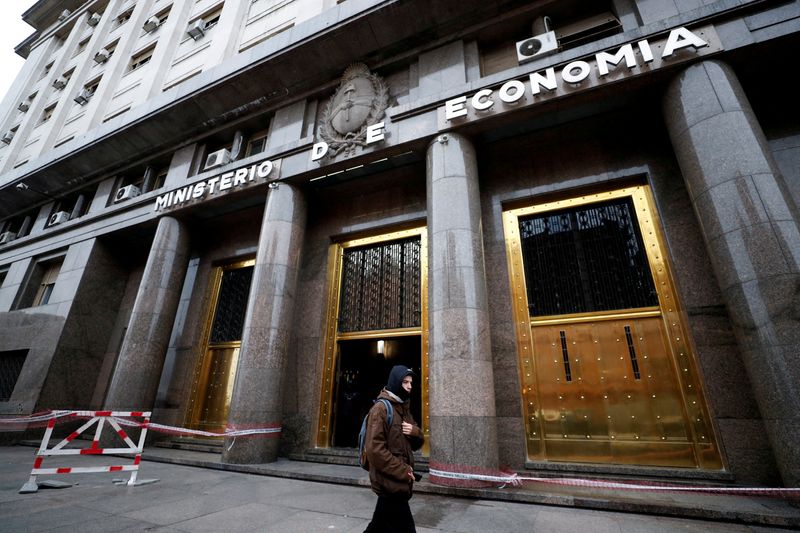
(22, 186)
(380, 347)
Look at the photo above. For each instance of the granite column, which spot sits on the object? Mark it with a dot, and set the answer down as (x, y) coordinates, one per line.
(141, 358)
(462, 409)
(257, 400)
(750, 226)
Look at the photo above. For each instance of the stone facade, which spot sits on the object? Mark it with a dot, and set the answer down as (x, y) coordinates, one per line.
(125, 323)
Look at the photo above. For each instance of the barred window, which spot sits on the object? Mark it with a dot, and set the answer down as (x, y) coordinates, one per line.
(231, 305)
(586, 259)
(10, 367)
(381, 286)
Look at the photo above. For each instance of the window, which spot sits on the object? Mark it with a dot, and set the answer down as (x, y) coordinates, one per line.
(49, 272)
(586, 259)
(572, 22)
(123, 17)
(22, 224)
(142, 58)
(8, 137)
(163, 15)
(380, 287)
(135, 179)
(576, 31)
(212, 19)
(110, 47)
(81, 47)
(61, 81)
(161, 178)
(47, 114)
(106, 52)
(257, 143)
(11, 362)
(76, 204)
(46, 70)
(91, 86)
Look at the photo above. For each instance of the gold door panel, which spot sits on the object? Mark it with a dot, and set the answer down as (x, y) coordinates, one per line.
(212, 385)
(618, 386)
(610, 382)
(336, 336)
(213, 393)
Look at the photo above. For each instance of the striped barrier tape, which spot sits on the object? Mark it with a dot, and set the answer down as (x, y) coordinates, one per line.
(439, 473)
(474, 477)
(44, 418)
(229, 432)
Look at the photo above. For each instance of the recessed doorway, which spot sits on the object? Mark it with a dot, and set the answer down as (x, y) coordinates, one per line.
(363, 369)
(212, 385)
(605, 356)
(377, 318)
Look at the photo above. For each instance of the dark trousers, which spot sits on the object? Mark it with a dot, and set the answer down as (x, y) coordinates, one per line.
(392, 515)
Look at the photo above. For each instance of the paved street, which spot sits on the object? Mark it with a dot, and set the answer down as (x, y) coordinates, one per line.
(204, 500)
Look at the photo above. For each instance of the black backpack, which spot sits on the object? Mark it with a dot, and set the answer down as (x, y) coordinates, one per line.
(362, 435)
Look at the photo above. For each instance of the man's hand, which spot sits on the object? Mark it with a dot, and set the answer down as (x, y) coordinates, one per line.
(410, 473)
(407, 428)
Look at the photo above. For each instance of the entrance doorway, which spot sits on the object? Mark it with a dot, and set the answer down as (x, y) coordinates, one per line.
(212, 386)
(377, 318)
(607, 366)
(364, 366)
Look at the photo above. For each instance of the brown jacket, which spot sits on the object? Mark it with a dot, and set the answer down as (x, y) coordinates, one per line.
(389, 452)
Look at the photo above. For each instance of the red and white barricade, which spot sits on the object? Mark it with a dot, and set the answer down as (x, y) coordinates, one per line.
(100, 418)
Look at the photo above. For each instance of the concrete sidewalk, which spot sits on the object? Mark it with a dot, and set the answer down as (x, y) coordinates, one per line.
(214, 499)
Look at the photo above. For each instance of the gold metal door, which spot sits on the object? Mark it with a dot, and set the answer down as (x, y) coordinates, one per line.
(212, 386)
(371, 324)
(616, 386)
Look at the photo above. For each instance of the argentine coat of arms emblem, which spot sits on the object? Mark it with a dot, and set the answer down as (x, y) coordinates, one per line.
(360, 101)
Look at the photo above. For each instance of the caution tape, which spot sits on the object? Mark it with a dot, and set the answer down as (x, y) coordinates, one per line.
(44, 419)
(472, 476)
(229, 432)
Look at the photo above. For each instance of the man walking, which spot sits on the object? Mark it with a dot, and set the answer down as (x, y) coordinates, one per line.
(389, 450)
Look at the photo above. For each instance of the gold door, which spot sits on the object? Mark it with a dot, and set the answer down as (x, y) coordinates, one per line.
(608, 372)
(377, 316)
(212, 386)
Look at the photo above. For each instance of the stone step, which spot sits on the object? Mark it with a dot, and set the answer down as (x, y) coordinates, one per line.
(345, 456)
(191, 444)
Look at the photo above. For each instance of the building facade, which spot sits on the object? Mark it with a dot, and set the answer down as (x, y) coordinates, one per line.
(576, 221)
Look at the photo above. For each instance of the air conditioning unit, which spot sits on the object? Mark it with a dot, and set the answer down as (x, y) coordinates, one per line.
(58, 218)
(197, 29)
(24, 106)
(60, 82)
(64, 15)
(7, 237)
(7, 137)
(537, 46)
(151, 24)
(126, 193)
(102, 55)
(83, 97)
(217, 159)
(94, 19)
